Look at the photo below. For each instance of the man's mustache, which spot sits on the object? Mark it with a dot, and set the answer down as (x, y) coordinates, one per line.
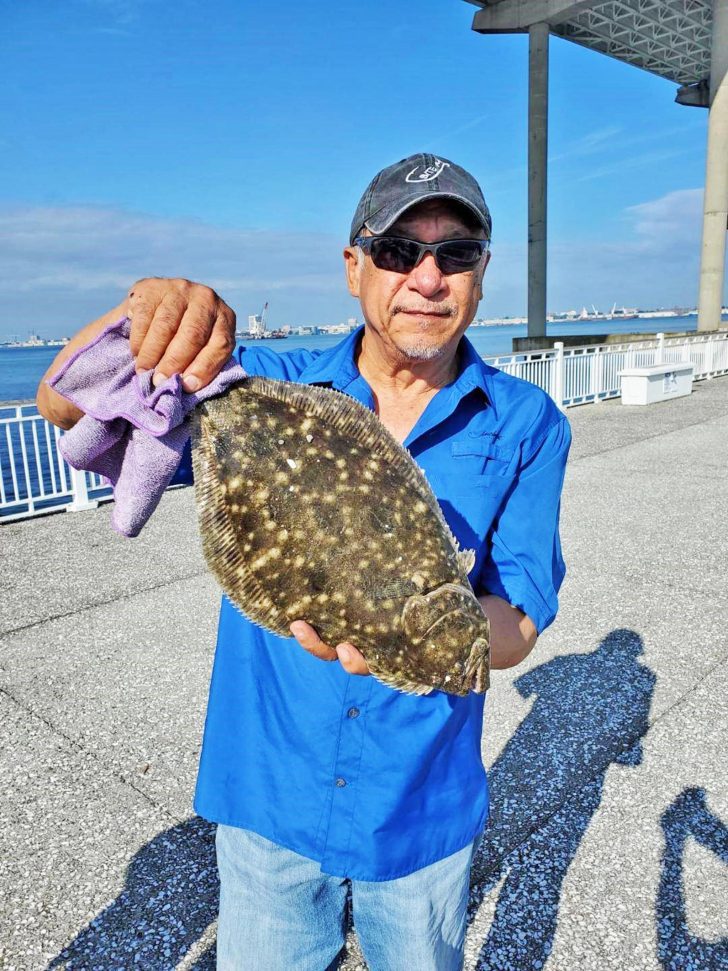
(444, 310)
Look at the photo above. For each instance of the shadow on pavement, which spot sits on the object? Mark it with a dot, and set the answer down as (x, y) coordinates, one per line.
(589, 712)
(677, 948)
(169, 899)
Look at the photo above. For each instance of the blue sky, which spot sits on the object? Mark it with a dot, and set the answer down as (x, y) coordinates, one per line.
(230, 141)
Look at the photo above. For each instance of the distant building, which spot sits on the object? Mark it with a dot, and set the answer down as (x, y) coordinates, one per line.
(256, 326)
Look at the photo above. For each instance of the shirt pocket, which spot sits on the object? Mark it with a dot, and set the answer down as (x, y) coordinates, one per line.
(480, 457)
(472, 489)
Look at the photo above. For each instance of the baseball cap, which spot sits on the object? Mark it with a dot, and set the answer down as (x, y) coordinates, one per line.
(412, 180)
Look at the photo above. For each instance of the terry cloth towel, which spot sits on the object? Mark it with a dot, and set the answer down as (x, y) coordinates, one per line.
(131, 432)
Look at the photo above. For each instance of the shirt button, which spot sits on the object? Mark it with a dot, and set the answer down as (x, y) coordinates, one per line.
(340, 782)
(353, 713)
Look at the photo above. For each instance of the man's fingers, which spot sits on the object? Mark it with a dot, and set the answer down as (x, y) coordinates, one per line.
(180, 327)
(141, 311)
(193, 332)
(214, 355)
(352, 660)
(161, 330)
(311, 642)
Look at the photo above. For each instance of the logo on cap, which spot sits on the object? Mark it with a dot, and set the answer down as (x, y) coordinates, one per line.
(427, 174)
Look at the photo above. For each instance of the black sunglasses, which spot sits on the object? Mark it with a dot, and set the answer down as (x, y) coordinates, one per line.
(401, 255)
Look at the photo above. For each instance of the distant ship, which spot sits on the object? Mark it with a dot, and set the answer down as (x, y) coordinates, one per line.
(626, 313)
(616, 313)
(35, 341)
(261, 335)
(648, 314)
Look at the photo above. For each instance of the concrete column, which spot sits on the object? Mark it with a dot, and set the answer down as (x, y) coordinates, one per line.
(538, 95)
(715, 206)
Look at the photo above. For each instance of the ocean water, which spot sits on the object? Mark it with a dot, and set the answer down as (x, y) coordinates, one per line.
(21, 368)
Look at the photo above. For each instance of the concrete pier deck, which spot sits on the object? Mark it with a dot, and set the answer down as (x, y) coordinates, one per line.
(608, 846)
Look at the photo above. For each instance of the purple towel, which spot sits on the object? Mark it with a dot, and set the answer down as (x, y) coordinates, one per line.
(131, 432)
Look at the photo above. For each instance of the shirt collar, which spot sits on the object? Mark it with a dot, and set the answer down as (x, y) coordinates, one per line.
(473, 373)
(337, 367)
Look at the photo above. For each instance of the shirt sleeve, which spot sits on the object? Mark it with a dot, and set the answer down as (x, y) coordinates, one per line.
(268, 363)
(183, 475)
(525, 565)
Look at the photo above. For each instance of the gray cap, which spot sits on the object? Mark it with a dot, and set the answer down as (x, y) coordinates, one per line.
(414, 179)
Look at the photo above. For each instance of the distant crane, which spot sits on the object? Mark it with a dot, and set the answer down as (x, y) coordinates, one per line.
(256, 323)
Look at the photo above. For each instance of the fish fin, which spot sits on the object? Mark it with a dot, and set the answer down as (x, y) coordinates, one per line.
(220, 544)
(466, 560)
(401, 684)
(353, 419)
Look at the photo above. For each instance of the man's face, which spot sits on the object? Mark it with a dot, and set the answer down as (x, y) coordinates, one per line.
(420, 315)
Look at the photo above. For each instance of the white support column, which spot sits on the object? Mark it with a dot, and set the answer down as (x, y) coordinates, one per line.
(715, 207)
(538, 93)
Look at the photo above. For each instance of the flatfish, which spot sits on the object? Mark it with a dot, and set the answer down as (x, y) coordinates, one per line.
(309, 509)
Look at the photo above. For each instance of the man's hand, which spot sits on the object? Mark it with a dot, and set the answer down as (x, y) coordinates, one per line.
(351, 659)
(179, 327)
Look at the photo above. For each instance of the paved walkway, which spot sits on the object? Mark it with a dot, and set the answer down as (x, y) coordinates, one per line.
(608, 845)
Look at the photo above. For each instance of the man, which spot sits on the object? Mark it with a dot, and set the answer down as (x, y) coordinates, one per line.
(315, 775)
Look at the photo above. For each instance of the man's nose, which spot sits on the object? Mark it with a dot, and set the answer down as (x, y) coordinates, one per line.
(427, 278)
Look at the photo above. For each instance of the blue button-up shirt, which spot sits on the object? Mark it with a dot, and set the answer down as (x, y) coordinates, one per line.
(369, 782)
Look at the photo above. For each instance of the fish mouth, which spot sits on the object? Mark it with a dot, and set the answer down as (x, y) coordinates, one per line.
(476, 676)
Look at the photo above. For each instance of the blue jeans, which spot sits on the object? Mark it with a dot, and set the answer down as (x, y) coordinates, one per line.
(278, 912)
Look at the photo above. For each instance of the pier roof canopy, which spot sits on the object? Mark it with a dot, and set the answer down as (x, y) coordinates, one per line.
(671, 38)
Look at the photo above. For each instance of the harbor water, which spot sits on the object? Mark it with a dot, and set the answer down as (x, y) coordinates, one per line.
(21, 368)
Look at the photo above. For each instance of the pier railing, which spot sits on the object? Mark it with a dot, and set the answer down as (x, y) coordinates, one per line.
(34, 479)
(582, 375)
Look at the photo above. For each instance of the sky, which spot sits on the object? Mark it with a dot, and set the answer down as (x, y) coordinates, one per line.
(229, 142)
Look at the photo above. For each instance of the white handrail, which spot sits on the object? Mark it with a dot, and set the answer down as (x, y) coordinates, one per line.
(34, 479)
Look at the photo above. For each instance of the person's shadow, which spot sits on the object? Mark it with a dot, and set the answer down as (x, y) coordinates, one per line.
(169, 899)
(677, 948)
(589, 712)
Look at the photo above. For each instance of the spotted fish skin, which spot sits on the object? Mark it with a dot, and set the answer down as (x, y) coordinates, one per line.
(310, 510)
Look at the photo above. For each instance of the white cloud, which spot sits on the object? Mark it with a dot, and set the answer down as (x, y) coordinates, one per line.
(63, 266)
(593, 141)
(636, 161)
(79, 261)
(670, 221)
(653, 261)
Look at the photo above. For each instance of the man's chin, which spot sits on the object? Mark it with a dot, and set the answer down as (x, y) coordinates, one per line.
(422, 350)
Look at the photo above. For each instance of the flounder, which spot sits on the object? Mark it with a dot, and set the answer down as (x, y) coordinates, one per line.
(309, 509)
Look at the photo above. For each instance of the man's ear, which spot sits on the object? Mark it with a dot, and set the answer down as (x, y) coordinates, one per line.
(352, 266)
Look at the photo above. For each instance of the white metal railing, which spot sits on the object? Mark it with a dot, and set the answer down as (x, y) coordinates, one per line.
(579, 375)
(34, 479)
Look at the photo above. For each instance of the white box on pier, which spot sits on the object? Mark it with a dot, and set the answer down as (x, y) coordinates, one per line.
(658, 382)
